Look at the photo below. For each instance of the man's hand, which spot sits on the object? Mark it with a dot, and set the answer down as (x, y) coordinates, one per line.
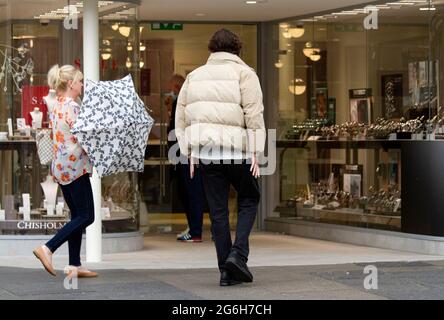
(254, 169)
(192, 162)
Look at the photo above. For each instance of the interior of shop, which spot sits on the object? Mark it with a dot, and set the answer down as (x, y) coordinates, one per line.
(151, 52)
(348, 95)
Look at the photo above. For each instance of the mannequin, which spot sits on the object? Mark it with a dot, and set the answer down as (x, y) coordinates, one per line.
(50, 99)
(37, 118)
(50, 190)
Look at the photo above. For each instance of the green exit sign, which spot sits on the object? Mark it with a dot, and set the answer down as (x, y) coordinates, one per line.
(167, 26)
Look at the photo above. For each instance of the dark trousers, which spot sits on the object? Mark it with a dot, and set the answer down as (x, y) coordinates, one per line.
(217, 179)
(193, 198)
(78, 195)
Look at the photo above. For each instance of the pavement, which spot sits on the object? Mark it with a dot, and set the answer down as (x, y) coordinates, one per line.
(284, 268)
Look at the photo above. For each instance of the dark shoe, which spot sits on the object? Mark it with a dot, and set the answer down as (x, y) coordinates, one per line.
(188, 238)
(238, 268)
(227, 280)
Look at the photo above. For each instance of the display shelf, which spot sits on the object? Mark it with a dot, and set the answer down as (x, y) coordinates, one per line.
(342, 144)
(343, 216)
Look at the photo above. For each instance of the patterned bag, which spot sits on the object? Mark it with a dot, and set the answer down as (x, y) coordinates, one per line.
(44, 146)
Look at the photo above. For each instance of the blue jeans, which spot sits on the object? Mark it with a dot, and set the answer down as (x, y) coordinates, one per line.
(78, 195)
(194, 198)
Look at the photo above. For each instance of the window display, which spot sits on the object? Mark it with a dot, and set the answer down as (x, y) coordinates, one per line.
(372, 98)
(31, 203)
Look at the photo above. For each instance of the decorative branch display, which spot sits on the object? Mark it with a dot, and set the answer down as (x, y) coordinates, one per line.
(17, 67)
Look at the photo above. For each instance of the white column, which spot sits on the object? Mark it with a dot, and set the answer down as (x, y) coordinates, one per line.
(91, 70)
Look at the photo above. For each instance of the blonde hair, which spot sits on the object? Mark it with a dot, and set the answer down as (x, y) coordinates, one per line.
(58, 77)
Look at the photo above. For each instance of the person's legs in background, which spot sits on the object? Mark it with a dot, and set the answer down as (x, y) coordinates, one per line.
(194, 203)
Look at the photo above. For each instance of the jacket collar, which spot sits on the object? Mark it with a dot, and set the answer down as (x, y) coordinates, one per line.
(218, 57)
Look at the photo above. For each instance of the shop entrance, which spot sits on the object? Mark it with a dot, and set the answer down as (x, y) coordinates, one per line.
(163, 53)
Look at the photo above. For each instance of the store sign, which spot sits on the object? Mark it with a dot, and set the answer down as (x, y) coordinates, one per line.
(40, 225)
(166, 26)
(32, 97)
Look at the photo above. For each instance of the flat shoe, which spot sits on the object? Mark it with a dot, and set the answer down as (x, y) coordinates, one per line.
(44, 259)
(83, 273)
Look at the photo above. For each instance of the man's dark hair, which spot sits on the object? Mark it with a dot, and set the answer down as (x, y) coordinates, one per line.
(226, 41)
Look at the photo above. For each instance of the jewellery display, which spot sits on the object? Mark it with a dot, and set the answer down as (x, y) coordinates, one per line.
(51, 99)
(50, 190)
(26, 209)
(381, 202)
(10, 131)
(37, 118)
(301, 131)
(381, 129)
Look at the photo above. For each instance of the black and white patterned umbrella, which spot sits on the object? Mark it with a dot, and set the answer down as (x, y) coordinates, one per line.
(113, 126)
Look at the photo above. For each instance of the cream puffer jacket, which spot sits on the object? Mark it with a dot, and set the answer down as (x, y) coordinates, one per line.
(220, 106)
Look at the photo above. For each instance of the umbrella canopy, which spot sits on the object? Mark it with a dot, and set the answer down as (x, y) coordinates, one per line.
(113, 126)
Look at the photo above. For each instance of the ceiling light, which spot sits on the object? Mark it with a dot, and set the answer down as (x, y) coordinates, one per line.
(279, 64)
(297, 86)
(141, 64)
(286, 34)
(309, 49)
(106, 56)
(315, 57)
(251, 2)
(129, 47)
(142, 47)
(125, 31)
(128, 63)
(297, 32)
(115, 26)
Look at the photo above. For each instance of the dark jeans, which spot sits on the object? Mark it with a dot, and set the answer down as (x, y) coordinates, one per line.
(193, 198)
(217, 179)
(78, 195)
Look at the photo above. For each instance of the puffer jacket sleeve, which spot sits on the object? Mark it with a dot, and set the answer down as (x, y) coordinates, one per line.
(180, 123)
(253, 107)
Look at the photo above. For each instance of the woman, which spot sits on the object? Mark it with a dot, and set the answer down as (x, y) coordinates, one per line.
(70, 168)
(219, 117)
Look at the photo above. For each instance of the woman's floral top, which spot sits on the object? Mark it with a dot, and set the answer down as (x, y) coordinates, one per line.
(70, 160)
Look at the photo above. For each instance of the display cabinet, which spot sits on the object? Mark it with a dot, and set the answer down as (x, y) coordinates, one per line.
(382, 184)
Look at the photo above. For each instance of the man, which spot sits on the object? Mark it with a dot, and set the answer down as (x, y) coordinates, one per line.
(219, 121)
(191, 190)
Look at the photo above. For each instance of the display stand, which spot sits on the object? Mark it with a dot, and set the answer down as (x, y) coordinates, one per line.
(50, 190)
(51, 100)
(37, 118)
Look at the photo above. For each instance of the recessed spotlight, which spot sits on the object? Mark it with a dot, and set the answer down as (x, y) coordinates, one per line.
(251, 2)
(427, 9)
